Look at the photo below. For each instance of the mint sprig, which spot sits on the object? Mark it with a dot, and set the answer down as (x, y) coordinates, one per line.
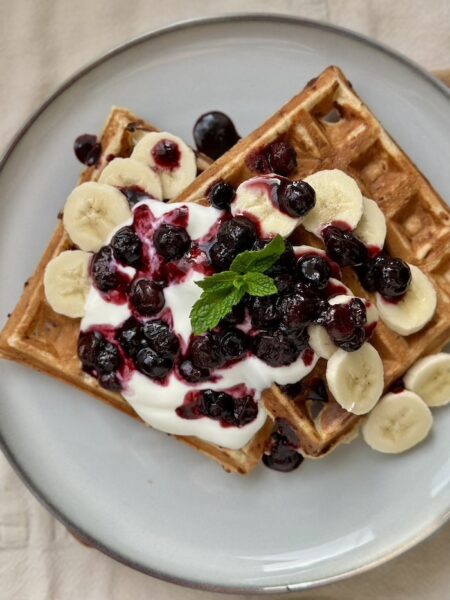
(224, 290)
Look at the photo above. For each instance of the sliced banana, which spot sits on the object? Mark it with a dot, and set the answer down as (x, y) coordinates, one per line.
(127, 172)
(174, 179)
(398, 422)
(338, 199)
(429, 378)
(92, 212)
(356, 379)
(414, 310)
(67, 283)
(320, 341)
(258, 197)
(371, 228)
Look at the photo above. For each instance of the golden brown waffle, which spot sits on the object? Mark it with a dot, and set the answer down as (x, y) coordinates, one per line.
(330, 127)
(40, 338)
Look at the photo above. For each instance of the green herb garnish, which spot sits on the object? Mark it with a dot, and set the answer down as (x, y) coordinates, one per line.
(224, 290)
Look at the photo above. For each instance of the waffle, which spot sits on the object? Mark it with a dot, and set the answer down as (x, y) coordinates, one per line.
(40, 338)
(330, 127)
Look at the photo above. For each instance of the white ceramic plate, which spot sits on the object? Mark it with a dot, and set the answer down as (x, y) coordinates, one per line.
(137, 494)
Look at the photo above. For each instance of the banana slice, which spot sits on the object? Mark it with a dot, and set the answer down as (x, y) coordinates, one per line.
(356, 379)
(414, 310)
(127, 172)
(92, 212)
(258, 197)
(398, 422)
(429, 377)
(371, 228)
(67, 283)
(320, 341)
(171, 159)
(338, 199)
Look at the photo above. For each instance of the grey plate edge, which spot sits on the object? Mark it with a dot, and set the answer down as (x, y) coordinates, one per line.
(39, 494)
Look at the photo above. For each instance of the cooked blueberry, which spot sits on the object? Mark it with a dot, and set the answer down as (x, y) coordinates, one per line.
(147, 297)
(217, 405)
(283, 457)
(221, 195)
(367, 272)
(215, 133)
(166, 154)
(107, 358)
(297, 198)
(232, 344)
(130, 338)
(299, 337)
(354, 342)
(205, 352)
(171, 242)
(299, 308)
(89, 343)
(314, 270)
(274, 348)
(127, 247)
(284, 282)
(343, 247)
(258, 162)
(192, 373)
(160, 338)
(221, 256)
(393, 277)
(284, 264)
(236, 316)
(152, 364)
(282, 158)
(341, 320)
(264, 311)
(110, 382)
(87, 149)
(238, 234)
(134, 194)
(103, 270)
(245, 411)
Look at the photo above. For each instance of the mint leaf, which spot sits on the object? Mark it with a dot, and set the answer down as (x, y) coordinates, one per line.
(212, 307)
(259, 260)
(218, 281)
(258, 284)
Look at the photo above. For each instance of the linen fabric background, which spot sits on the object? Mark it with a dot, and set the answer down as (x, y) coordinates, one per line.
(43, 42)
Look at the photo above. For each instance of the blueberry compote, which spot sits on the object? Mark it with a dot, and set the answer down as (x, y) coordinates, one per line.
(278, 157)
(87, 149)
(282, 451)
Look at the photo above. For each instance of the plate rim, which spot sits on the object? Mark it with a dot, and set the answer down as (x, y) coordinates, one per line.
(78, 532)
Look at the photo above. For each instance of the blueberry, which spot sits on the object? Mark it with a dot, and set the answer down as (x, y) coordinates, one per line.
(147, 297)
(393, 278)
(221, 256)
(282, 158)
(245, 411)
(130, 338)
(107, 358)
(232, 344)
(217, 405)
(109, 381)
(298, 337)
(166, 154)
(299, 308)
(127, 247)
(87, 149)
(367, 272)
(238, 234)
(283, 457)
(205, 352)
(160, 338)
(342, 320)
(152, 364)
(236, 316)
(343, 247)
(221, 195)
(284, 282)
(297, 198)
(104, 273)
(89, 343)
(354, 342)
(171, 242)
(274, 348)
(214, 134)
(314, 270)
(192, 373)
(264, 311)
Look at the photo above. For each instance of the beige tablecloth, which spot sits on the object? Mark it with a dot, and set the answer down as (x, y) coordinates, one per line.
(42, 42)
